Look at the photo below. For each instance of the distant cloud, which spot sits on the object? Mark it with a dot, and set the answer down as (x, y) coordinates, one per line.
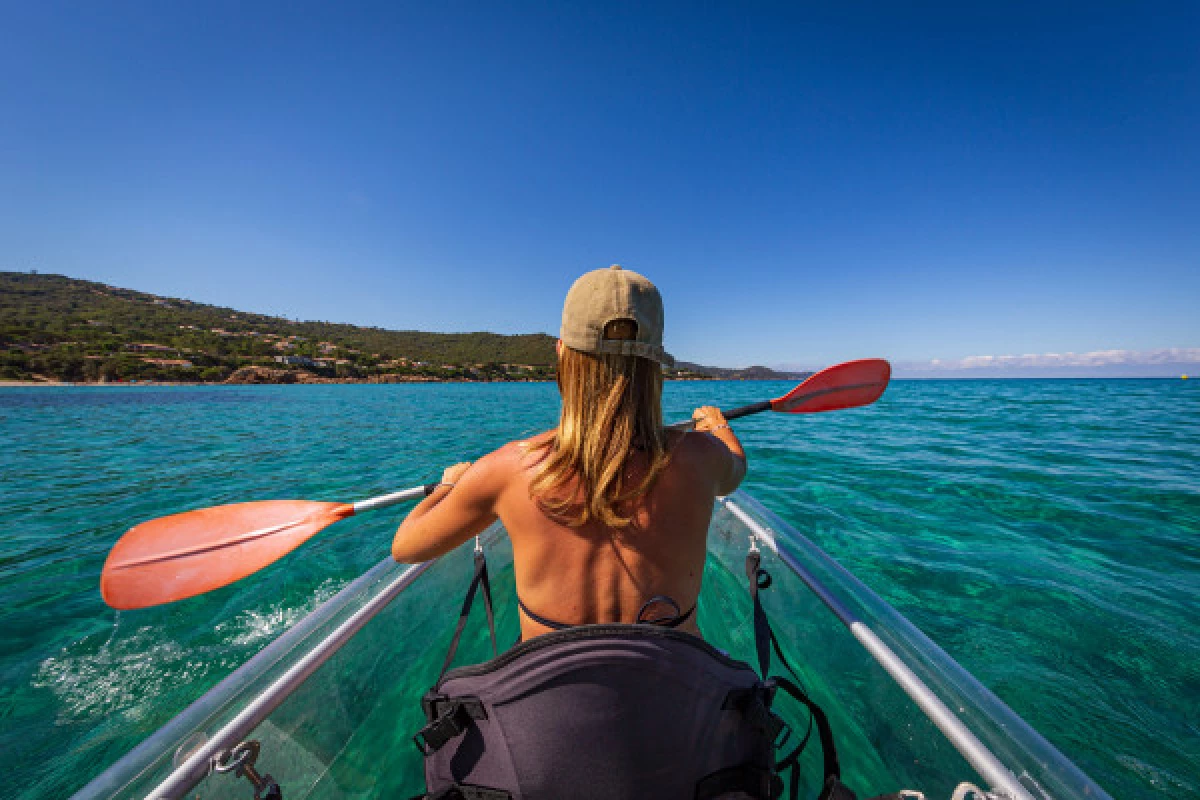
(1100, 363)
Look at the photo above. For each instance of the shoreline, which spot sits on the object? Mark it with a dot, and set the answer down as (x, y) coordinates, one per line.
(326, 382)
(10, 384)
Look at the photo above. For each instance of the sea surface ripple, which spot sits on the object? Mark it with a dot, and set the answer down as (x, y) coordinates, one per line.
(1044, 533)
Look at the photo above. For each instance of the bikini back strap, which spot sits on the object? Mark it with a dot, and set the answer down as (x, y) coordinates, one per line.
(539, 619)
(667, 620)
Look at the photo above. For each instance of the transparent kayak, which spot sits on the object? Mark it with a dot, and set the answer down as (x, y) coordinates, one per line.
(328, 710)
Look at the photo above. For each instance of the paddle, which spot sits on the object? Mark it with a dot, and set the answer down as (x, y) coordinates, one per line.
(847, 385)
(183, 555)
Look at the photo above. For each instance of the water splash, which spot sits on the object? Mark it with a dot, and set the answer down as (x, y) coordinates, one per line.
(128, 674)
(122, 675)
(259, 626)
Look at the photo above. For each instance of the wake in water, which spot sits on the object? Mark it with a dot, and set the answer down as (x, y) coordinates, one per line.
(124, 675)
(129, 673)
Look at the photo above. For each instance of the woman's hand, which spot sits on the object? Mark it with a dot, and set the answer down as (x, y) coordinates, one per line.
(448, 517)
(451, 474)
(708, 417)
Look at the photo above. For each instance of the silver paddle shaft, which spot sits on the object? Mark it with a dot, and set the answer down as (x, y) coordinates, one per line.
(394, 498)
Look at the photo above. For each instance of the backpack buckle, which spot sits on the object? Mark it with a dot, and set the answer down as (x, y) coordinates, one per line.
(448, 717)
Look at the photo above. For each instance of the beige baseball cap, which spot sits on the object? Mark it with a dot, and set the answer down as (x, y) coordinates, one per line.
(604, 295)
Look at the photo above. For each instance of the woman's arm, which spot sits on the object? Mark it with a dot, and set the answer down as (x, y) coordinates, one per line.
(461, 506)
(709, 419)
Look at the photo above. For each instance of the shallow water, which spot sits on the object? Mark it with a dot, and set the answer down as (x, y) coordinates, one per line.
(1043, 532)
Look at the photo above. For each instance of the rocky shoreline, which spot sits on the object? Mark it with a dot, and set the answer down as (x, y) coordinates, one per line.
(266, 376)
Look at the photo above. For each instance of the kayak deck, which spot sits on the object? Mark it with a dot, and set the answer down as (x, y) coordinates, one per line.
(334, 702)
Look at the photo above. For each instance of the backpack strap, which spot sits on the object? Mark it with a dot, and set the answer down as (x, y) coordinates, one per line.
(745, 779)
(480, 579)
(765, 642)
(466, 791)
(832, 769)
(447, 717)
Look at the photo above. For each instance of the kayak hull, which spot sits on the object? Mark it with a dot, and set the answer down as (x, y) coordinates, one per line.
(333, 703)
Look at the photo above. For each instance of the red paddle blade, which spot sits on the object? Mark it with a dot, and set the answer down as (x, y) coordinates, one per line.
(855, 383)
(183, 555)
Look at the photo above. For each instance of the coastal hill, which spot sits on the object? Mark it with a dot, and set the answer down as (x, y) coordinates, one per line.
(57, 328)
(742, 374)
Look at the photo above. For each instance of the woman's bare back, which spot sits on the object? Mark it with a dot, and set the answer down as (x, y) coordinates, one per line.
(593, 573)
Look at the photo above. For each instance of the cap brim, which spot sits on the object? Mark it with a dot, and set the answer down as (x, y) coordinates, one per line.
(633, 348)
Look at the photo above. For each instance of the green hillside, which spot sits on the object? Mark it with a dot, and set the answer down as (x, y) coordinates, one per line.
(57, 328)
(68, 329)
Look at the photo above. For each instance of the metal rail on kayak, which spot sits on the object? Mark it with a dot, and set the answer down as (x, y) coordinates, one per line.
(194, 759)
(1027, 746)
(198, 763)
(973, 750)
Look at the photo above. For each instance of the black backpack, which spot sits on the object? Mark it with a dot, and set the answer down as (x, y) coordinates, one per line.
(615, 711)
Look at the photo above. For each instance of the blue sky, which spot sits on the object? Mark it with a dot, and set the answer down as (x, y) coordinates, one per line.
(807, 183)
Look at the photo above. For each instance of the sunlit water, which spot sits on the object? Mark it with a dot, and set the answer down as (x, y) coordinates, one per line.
(1043, 532)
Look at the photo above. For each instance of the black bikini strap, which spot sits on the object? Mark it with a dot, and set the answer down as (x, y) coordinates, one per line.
(671, 621)
(480, 579)
(539, 619)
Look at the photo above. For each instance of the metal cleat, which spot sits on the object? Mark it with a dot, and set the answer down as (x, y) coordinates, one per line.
(240, 761)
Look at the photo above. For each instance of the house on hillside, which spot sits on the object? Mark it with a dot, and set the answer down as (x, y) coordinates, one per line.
(149, 348)
(298, 361)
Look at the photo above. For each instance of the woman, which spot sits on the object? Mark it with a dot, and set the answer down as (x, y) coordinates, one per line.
(608, 513)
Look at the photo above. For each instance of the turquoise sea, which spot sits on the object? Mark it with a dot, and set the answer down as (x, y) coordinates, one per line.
(1045, 533)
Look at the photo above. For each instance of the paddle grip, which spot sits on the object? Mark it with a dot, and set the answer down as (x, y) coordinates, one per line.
(746, 411)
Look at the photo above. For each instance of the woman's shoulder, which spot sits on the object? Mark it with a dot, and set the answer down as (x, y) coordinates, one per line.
(518, 453)
(699, 450)
(537, 440)
(694, 443)
(492, 473)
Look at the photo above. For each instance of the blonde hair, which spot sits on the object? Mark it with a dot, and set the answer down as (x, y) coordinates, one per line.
(611, 405)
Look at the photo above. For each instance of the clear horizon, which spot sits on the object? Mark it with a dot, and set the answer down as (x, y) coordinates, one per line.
(965, 191)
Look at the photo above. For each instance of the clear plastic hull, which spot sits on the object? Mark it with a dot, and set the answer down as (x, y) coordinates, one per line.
(334, 702)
